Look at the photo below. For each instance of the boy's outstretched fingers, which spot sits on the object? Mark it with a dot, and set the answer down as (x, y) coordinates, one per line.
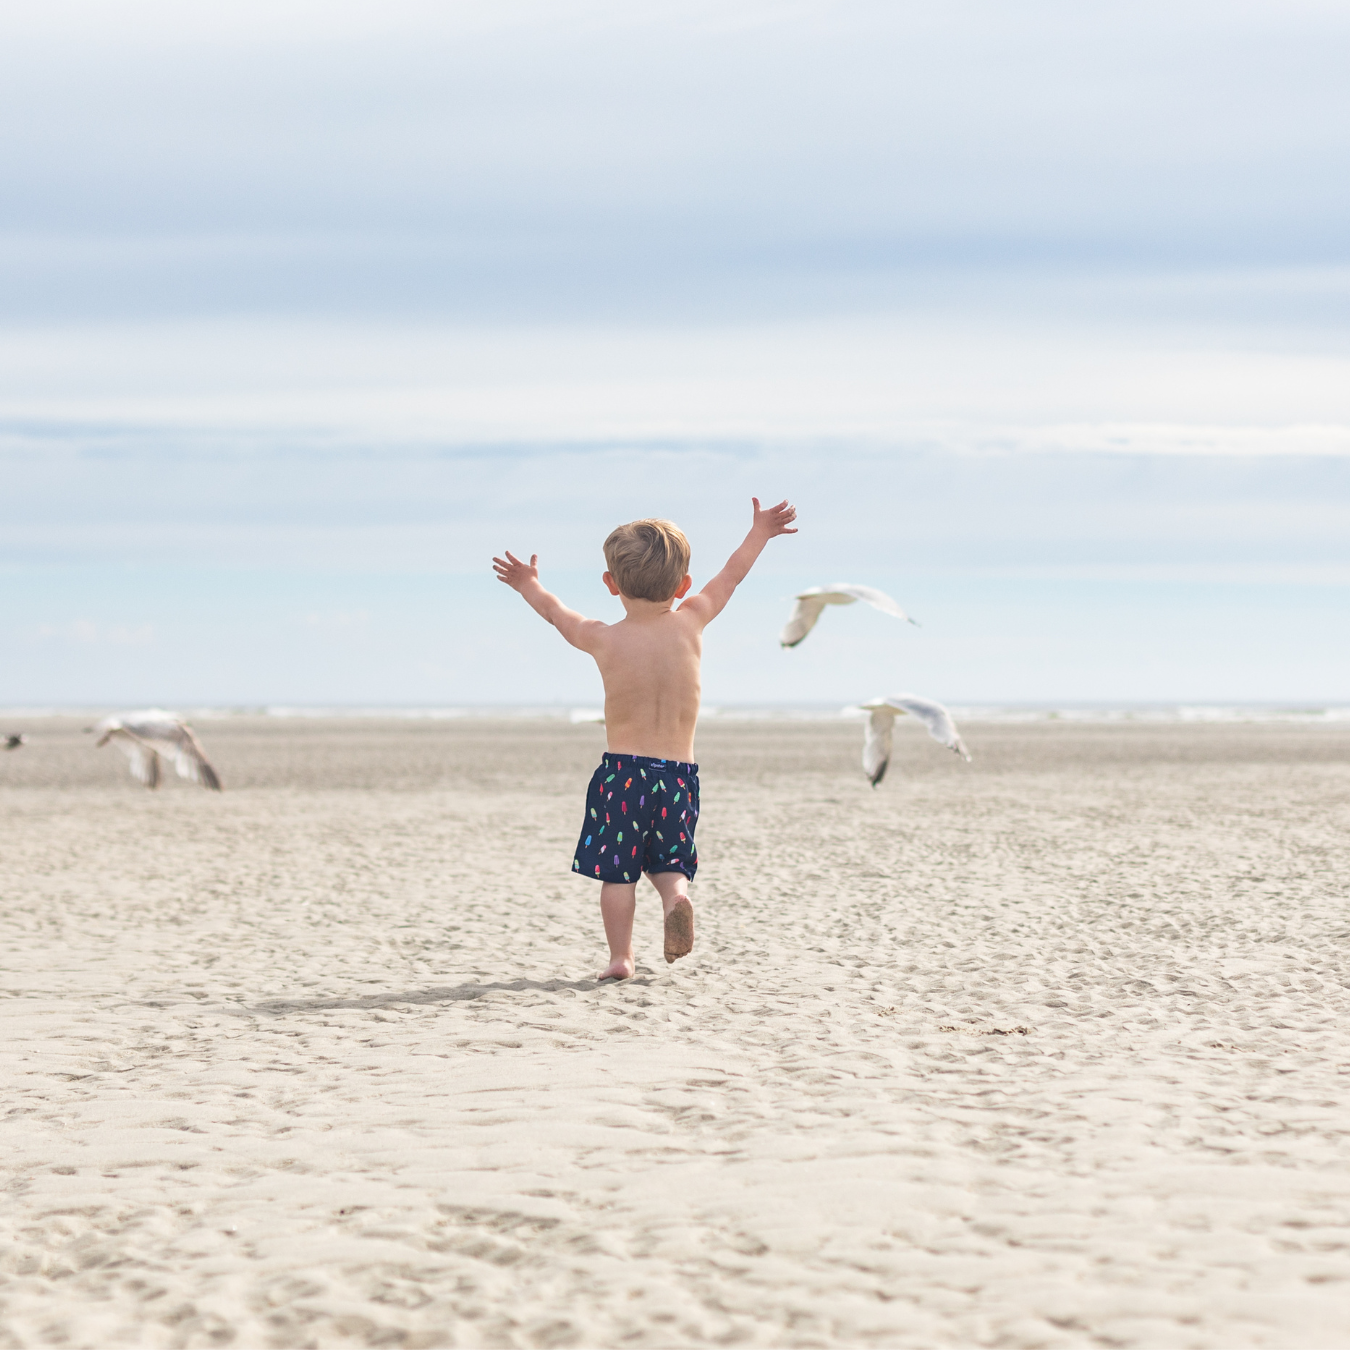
(514, 572)
(778, 518)
(679, 930)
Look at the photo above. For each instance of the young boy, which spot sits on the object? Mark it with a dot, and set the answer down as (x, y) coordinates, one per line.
(642, 805)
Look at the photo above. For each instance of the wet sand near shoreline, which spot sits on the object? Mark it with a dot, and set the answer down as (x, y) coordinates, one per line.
(1049, 1049)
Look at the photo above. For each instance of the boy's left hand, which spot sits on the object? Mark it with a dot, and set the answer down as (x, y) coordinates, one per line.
(773, 520)
(515, 573)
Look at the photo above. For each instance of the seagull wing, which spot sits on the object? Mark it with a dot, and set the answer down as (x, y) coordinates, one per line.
(934, 716)
(191, 761)
(143, 760)
(811, 602)
(878, 599)
(803, 620)
(877, 743)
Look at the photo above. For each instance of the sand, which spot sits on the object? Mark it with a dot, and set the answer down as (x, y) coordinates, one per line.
(1050, 1049)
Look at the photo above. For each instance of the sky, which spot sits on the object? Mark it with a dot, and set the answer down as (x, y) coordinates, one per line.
(1040, 314)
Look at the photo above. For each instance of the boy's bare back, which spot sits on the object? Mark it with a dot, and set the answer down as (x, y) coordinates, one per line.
(650, 666)
(650, 659)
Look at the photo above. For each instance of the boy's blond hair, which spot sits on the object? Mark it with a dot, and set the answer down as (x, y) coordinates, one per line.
(648, 558)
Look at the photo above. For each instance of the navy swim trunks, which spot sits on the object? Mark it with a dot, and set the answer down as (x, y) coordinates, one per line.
(640, 817)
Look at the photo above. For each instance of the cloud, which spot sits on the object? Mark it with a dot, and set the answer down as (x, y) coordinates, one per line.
(337, 620)
(570, 161)
(84, 632)
(886, 505)
(957, 377)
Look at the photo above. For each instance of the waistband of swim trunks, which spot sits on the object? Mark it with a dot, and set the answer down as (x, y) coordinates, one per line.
(610, 759)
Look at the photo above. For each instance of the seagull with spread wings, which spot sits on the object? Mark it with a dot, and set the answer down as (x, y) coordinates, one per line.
(811, 604)
(877, 740)
(146, 736)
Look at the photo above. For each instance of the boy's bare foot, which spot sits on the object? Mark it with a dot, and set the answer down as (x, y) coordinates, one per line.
(620, 969)
(679, 930)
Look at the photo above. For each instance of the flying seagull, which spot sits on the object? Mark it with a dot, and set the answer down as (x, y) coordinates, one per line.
(144, 736)
(877, 743)
(811, 602)
(14, 741)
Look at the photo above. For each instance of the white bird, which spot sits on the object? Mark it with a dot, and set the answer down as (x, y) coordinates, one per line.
(144, 736)
(811, 602)
(579, 715)
(877, 742)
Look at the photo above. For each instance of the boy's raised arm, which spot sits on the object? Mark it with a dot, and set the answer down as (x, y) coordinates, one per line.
(768, 522)
(524, 577)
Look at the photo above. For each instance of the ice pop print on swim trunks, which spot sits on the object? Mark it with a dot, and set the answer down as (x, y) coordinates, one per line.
(640, 817)
(643, 802)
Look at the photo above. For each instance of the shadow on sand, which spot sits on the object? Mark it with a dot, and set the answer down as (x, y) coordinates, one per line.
(459, 993)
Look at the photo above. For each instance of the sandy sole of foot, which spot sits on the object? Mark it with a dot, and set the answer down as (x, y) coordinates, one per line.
(679, 931)
(1050, 1049)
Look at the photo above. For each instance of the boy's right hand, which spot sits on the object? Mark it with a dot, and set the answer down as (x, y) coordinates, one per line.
(515, 573)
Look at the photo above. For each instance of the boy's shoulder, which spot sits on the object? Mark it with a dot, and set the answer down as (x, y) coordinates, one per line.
(695, 609)
(676, 628)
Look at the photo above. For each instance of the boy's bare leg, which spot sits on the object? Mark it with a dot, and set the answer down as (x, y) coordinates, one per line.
(618, 901)
(673, 888)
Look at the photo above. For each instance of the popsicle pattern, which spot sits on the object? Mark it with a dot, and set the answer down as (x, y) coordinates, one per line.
(640, 817)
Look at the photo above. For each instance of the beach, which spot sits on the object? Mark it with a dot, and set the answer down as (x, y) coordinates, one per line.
(1048, 1049)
